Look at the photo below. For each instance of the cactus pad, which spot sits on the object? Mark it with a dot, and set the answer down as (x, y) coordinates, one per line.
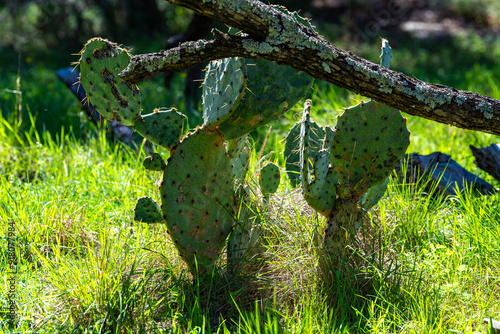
(292, 149)
(223, 89)
(147, 211)
(369, 141)
(373, 195)
(269, 178)
(239, 151)
(272, 90)
(198, 197)
(324, 199)
(100, 63)
(385, 55)
(162, 127)
(320, 171)
(154, 162)
(320, 192)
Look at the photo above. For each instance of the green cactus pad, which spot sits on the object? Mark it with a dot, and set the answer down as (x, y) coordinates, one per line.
(320, 192)
(239, 151)
(197, 193)
(100, 63)
(154, 162)
(321, 167)
(370, 140)
(223, 88)
(292, 149)
(147, 211)
(329, 135)
(323, 201)
(272, 90)
(385, 56)
(373, 195)
(269, 178)
(162, 127)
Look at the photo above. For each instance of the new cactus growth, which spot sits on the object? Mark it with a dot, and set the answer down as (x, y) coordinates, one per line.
(385, 55)
(147, 211)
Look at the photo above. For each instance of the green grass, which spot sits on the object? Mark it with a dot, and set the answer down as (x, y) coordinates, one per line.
(421, 264)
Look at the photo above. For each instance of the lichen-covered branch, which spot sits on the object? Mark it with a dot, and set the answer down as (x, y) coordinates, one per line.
(276, 36)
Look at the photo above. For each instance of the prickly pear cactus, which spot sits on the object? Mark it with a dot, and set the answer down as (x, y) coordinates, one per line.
(319, 187)
(201, 188)
(350, 173)
(100, 63)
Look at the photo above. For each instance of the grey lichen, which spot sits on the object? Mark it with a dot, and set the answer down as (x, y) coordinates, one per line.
(194, 47)
(256, 47)
(431, 98)
(286, 31)
(460, 99)
(385, 89)
(326, 67)
(423, 93)
(154, 63)
(485, 108)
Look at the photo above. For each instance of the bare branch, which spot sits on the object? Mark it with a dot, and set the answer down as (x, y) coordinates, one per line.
(278, 37)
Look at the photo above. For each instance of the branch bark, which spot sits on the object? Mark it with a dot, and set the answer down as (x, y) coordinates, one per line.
(279, 37)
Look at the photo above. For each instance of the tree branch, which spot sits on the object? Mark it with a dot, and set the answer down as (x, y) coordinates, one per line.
(279, 37)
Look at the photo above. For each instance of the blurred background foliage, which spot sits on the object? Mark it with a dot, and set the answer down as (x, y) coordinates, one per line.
(442, 41)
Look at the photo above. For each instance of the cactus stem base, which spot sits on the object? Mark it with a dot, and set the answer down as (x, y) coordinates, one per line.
(342, 226)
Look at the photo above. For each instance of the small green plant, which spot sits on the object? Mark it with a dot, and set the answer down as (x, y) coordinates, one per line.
(202, 179)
